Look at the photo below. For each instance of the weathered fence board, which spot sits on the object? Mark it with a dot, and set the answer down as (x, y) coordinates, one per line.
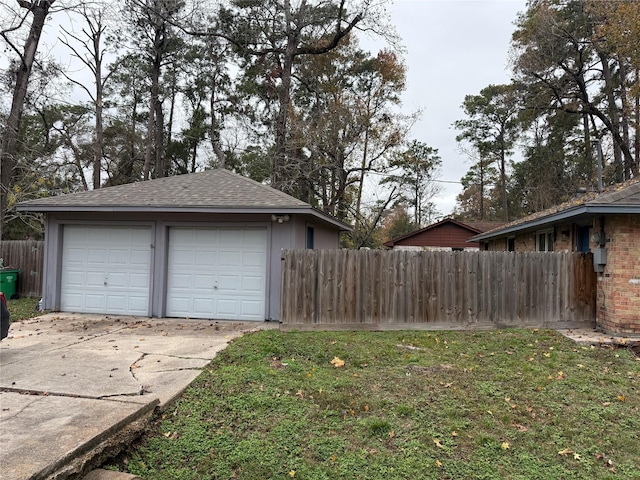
(407, 289)
(28, 257)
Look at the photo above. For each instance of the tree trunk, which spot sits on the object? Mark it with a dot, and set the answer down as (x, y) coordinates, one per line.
(613, 115)
(279, 174)
(214, 132)
(8, 154)
(153, 121)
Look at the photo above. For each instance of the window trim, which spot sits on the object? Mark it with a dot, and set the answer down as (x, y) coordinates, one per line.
(549, 240)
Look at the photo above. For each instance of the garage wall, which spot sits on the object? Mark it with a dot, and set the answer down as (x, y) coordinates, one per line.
(287, 235)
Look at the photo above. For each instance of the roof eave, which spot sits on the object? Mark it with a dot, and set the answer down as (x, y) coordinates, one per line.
(301, 209)
(579, 210)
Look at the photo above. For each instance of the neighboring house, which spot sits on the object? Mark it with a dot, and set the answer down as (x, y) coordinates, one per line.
(202, 245)
(448, 234)
(607, 224)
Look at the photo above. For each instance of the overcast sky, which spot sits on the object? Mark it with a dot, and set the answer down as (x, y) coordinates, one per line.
(454, 48)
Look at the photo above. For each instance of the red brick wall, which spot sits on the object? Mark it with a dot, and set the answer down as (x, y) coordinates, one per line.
(445, 235)
(619, 286)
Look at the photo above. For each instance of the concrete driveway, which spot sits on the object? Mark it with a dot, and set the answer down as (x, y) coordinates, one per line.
(75, 388)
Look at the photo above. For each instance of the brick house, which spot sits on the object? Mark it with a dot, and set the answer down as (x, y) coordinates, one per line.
(447, 234)
(606, 224)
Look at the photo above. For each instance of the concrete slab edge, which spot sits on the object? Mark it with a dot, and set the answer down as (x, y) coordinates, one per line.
(76, 463)
(101, 474)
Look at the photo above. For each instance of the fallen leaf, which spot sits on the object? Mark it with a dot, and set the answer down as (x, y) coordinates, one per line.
(621, 398)
(454, 434)
(336, 362)
(437, 443)
(438, 463)
(505, 445)
(576, 456)
(292, 473)
(565, 452)
(366, 408)
(392, 434)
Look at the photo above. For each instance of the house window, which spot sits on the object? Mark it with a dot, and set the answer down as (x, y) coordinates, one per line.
(511, 244)
(582, 239)
(310, 238)
(544, 241)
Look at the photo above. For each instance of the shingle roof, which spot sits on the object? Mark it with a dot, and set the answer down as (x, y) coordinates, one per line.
(211, 188)
(618, 198)
(212, 191)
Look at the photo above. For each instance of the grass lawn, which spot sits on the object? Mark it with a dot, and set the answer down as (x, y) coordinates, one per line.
(23, 308)
(516, 404)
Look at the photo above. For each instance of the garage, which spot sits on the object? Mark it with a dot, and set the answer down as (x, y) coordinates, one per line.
(106, 269)
(217, 273)
(201, 245)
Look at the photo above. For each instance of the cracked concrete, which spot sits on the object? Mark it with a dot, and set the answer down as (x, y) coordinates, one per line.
(75, 388)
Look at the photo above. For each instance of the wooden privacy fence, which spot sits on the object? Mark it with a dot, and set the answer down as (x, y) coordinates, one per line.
(374, 289)
(26, 256)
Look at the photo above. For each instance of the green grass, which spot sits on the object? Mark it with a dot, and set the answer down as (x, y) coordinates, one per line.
(23, 308)
(517, 404)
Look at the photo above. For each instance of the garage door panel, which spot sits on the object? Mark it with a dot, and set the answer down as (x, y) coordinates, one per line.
(182, 257)
(180, 281)
(95, 303)
(202, 306)
(229, 283)
(119, 257)
(251, 308)
(94, 279)
(96, 256)
(203, 281)
(75, 278)
(138, 304)
(106, 269)
(229, 238)
(252, 284)
(139, 280)
(227, 307)
(180, 305)
(73, 301)
(211, 283)
(253, 259)
(204, 259)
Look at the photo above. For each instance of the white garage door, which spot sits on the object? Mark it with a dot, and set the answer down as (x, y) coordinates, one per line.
(106, 270)
(217, 273)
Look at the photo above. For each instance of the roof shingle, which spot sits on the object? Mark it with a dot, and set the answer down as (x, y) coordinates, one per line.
(208, 189)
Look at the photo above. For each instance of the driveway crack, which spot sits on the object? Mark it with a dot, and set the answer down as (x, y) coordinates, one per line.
(132, 370)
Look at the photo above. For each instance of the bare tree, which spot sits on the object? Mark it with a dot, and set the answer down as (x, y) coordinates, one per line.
(38, 9)
(91, 54)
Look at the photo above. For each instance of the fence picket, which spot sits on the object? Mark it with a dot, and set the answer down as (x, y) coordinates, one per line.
(28, 257)
(378, 290)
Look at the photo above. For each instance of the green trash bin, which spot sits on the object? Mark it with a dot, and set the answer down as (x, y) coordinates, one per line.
(8, 282)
